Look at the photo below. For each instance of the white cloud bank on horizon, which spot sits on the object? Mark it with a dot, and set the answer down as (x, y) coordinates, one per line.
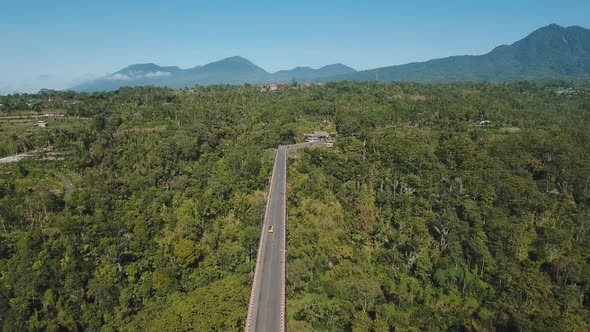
(33, 84)
(134, 75)
(119, 77)
(158, 74)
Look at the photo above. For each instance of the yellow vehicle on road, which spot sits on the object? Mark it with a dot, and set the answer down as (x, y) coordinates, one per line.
(270, 230)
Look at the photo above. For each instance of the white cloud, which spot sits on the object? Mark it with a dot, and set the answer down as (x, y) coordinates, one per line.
(120, 77)
(133, 75)
(32, 84)
(158, 74)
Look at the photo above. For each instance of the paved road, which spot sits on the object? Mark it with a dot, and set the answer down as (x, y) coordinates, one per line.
(266, 311)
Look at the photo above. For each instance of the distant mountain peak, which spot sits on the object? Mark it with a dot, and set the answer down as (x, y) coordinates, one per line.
(141, 67)
(236, 60)
(231, 70)
(554, 42)
(232, 67)
(552, 52)
(549, 53)
(555, 30)
(553, 26)
(338, 66)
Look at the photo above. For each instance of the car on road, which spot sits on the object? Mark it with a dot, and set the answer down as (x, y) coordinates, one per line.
(270, 229)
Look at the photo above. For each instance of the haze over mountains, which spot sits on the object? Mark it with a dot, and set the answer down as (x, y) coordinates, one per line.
(549, 53)
(234, 70)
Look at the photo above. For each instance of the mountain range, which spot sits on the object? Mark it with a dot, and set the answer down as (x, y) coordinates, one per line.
(549, 53)
(234, 70)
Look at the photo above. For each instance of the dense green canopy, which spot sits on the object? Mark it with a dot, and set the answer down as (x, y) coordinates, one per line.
(419, 217)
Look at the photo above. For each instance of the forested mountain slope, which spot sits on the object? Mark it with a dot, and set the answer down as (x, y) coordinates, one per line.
(547, 54)
(418, 218)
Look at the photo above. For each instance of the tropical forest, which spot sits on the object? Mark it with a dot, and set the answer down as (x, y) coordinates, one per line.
(439, 207)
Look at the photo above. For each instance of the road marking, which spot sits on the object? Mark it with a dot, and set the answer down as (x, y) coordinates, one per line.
(261, 244)
(284, 246)
(254, 297)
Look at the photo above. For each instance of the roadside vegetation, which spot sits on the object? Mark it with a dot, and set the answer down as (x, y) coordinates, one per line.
(419, 218)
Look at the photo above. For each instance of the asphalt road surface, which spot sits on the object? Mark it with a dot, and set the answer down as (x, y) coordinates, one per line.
(266, 311)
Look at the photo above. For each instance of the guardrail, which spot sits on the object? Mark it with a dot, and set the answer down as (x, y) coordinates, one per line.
(256, 281)
(284, 253)
(253, 304)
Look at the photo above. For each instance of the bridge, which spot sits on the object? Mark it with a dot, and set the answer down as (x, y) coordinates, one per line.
(266, 309)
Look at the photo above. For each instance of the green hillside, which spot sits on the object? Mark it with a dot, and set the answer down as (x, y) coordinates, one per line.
(548, 54)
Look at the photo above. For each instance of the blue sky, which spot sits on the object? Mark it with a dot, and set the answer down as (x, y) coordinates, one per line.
(57, 43)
